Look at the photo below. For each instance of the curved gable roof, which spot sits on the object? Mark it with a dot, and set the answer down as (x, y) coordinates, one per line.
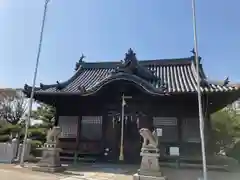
(173, 76)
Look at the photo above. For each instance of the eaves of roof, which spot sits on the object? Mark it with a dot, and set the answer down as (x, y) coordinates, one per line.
(176, 75)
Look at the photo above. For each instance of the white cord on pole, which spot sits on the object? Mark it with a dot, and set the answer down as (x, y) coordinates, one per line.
(33, 85)
(121, 155)
(201, 120)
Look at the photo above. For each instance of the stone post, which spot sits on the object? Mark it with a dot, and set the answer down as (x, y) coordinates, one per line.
(19, 152)
(27, 150)
(15, 144)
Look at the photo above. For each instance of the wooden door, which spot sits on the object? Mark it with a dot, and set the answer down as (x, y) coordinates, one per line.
(132, 144)
(91, 135)
(131, 136)
(112, 137)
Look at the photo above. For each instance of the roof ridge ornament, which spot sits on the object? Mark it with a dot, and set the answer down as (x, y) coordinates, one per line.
(130, 65)
(226, 81)
(41, 85)
(130, 56)
(80, 62)
(59, 86)
(193, 56)
(27, 87)
(193, 52)
(206, 82)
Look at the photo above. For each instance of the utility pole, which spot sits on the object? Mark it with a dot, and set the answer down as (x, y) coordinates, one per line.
(33, 85)
(201, 119)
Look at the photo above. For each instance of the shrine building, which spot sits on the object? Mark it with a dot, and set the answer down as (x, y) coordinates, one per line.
(154, 94)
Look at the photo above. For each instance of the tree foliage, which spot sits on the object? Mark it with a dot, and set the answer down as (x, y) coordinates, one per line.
(38, 132)
(12, 106)
(12, 109)
(8, 131)
(45, 113)
(226, 128)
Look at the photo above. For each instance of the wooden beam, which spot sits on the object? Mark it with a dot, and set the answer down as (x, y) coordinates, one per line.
(77, 139)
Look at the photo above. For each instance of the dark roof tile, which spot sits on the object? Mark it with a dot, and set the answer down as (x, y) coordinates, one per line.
(179, 76)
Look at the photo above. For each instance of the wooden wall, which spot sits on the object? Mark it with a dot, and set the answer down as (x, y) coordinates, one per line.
(182, 108)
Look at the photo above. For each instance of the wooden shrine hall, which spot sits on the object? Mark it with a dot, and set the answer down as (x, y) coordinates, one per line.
(152, 93)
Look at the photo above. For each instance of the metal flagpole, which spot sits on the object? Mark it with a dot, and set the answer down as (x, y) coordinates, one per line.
(33, 85)
(201, 120)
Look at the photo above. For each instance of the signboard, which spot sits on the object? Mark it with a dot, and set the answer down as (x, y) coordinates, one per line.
(159, 131)
(174, 151)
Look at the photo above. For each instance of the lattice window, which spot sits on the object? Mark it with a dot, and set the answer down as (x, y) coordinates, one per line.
(69, 126)
(91, 127)
(190, 130)
(169, 126)
(164, 121)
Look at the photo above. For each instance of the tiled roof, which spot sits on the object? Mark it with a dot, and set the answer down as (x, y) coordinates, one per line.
(177, 76)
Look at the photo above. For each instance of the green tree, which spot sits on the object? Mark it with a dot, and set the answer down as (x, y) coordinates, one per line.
(226, 128)
(45, 113)
(38, 132)
(8, 131)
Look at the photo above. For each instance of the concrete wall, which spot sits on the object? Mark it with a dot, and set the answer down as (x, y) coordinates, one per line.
(11, 151)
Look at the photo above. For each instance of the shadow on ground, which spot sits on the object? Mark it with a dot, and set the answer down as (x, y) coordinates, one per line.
(127, 171)
(111, 172)
(102, 168)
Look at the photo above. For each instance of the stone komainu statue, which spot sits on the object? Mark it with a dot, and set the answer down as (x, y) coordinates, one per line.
(53, 134)
(150, 139)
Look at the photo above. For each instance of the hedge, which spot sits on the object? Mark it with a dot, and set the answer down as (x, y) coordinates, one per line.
(34, 145)
(234, 152)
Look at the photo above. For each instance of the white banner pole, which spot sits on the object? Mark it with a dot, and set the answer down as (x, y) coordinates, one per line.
(201, 119)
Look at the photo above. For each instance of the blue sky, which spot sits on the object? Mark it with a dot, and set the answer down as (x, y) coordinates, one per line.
(105, 29)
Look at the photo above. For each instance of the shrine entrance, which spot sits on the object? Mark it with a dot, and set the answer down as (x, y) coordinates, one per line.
(123, 96)
(132, 139)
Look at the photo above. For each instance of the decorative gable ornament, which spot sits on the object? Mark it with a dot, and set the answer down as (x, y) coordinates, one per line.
(130, 65)
(80, 62)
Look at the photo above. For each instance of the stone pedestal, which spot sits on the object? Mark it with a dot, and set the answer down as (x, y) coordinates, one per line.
(149, 169)
(50, 161)
(143, 177)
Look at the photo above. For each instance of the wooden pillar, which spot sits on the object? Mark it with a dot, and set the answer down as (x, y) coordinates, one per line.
(77, 139)
(180, 121)
(56, 119)
(56, 114)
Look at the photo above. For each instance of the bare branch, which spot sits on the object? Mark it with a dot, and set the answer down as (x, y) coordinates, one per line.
(12, 106)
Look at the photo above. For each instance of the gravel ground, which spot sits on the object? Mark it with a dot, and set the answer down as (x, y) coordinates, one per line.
(113, 172)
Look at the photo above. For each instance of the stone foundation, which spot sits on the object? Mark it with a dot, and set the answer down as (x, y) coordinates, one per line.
(50, 161)
(144, 177)
(149, 168)
(49, 169)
